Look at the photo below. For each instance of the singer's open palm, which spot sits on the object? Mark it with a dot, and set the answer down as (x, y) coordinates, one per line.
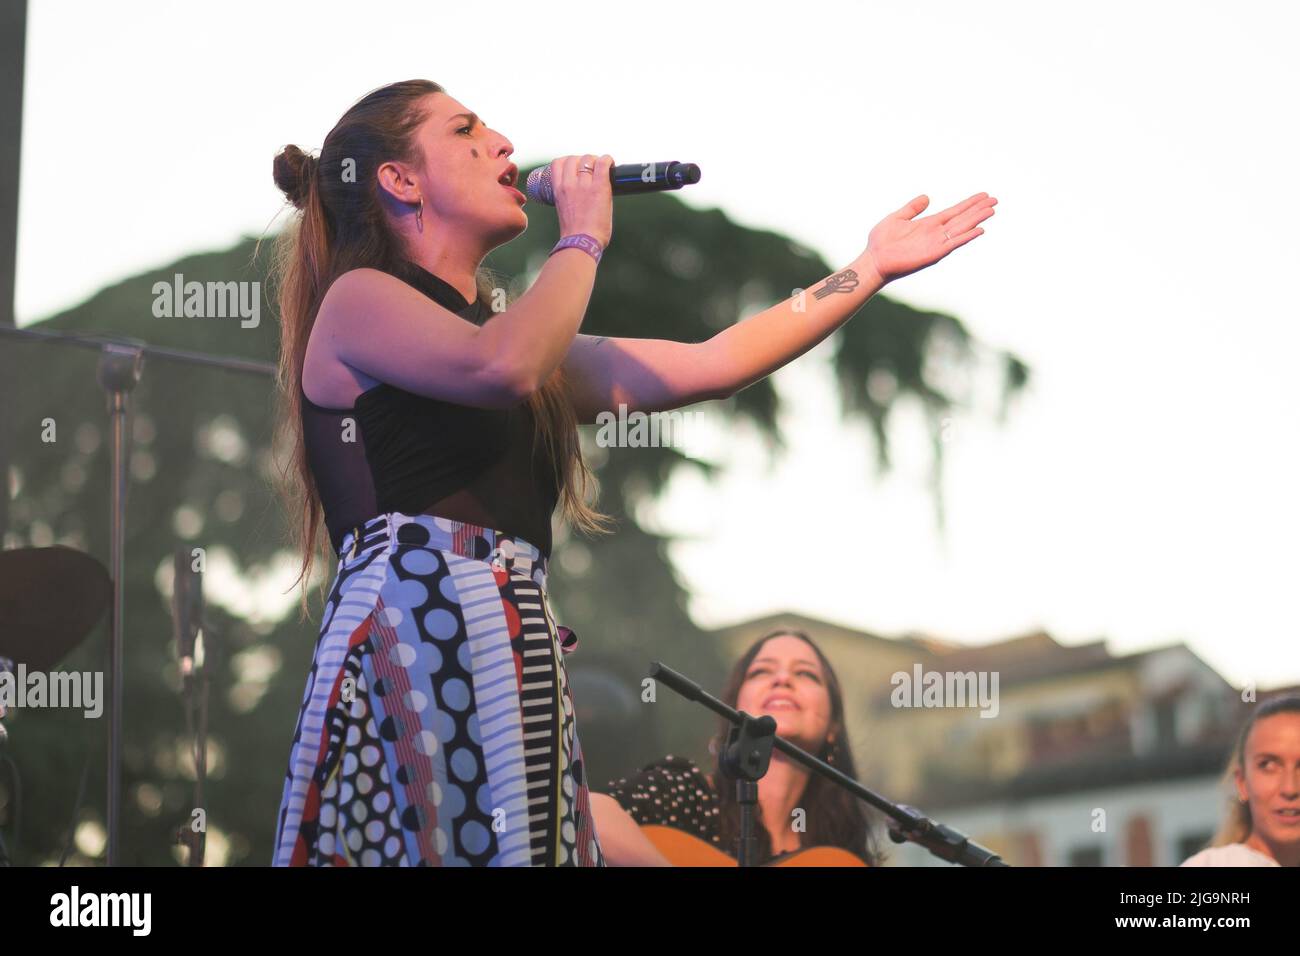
(902, 244)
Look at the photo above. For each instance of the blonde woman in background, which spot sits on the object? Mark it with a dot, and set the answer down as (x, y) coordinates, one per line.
(1263, 823)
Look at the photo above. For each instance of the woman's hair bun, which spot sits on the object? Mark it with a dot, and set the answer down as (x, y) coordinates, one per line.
(294, 171)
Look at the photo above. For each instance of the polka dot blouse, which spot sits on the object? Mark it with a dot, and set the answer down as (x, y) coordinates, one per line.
(673, 792)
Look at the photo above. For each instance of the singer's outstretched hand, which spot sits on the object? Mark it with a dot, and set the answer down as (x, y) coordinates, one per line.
(902, 244)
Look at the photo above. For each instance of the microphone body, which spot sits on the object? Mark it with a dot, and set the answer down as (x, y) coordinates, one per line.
(630, 179)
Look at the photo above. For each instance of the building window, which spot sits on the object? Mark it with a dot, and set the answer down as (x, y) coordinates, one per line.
(1166, 721)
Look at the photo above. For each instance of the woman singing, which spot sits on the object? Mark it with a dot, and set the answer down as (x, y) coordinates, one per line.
(436, 431)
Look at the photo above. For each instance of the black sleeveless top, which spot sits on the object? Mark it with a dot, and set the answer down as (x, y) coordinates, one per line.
(398, 451)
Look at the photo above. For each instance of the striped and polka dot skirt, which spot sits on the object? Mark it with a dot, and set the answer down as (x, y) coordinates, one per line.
(437, 727)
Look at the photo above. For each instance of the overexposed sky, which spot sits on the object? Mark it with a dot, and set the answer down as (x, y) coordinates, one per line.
(1141, 260)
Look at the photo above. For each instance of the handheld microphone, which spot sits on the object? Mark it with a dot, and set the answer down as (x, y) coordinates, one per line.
(628, 180)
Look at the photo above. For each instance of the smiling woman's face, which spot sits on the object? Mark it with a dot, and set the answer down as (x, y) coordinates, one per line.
(786, 681)
(1270, 778)
(464, 159)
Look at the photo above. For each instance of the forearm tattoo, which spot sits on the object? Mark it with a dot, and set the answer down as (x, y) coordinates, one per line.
(845, 281)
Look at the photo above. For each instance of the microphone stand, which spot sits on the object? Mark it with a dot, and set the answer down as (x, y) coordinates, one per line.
(749, 750)
(120, 367)
(190, 632)
(195, 841)
(745, 759)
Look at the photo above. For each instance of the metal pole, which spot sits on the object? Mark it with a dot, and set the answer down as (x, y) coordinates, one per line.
(119, 371)
(13, 42)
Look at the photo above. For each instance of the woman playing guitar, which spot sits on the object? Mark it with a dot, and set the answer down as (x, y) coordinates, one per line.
(785, 675)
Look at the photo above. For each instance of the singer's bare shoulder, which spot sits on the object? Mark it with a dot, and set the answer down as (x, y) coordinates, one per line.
(390, 332)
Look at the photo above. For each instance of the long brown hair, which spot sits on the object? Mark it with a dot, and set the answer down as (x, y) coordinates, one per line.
(343, 227)
(834, 816)
(1237, 823)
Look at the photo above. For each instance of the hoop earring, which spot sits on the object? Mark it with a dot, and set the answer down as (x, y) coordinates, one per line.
(419, 216)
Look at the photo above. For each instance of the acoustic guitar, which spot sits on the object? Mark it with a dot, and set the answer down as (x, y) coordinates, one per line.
(684, 849)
